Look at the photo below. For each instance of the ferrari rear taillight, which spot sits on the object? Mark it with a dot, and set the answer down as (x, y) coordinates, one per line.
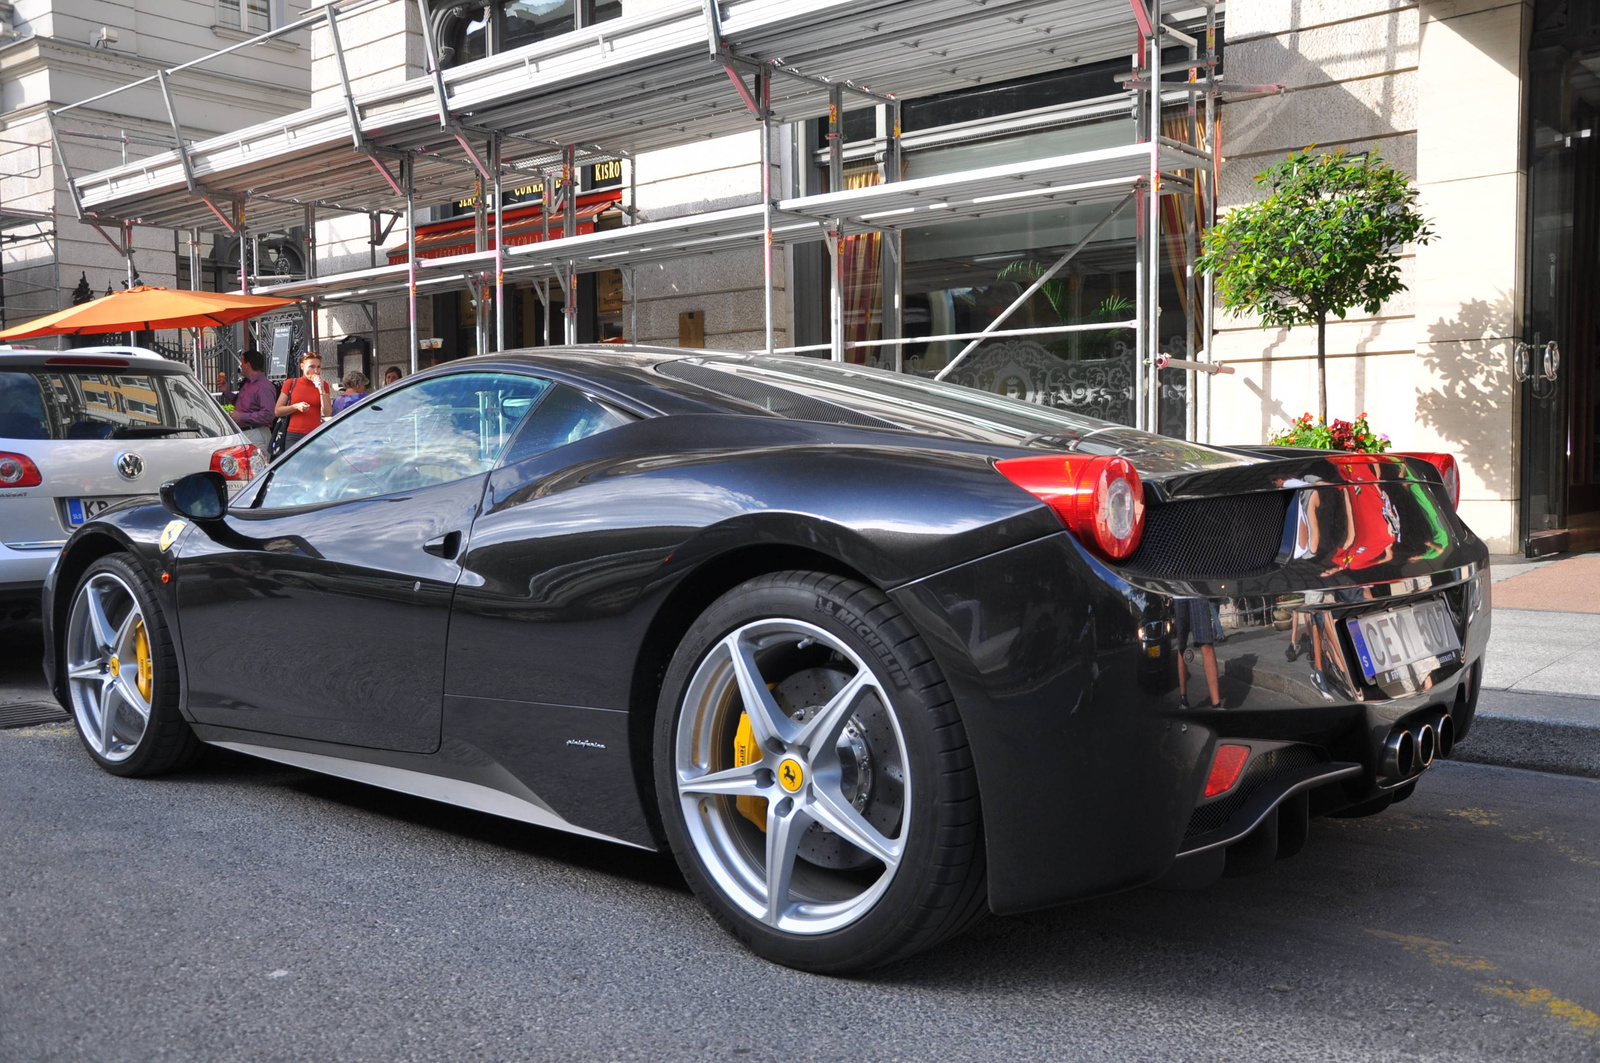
(1446, 464)
(18, 470)
(1099, 498)
(1226, 766)
(237, 463)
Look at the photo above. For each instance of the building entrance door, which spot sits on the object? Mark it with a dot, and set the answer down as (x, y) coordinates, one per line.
(1556, 364)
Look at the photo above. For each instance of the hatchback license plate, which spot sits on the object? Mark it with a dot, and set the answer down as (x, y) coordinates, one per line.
(80, 510)
(1391, 640)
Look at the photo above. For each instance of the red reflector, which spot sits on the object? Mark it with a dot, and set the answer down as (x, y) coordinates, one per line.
(1099, 498)
(1226, 766)
(1448, 471)
(237, 463)
(18, 470)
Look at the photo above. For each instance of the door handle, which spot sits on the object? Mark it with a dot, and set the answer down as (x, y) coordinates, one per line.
(1521, 355)
(1552, 360)
(444, 546)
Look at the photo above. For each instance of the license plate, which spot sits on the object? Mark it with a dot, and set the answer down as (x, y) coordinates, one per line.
(80, 510)
(1391, 640)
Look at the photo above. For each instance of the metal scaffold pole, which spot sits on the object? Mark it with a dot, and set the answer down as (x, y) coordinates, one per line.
(311, 274)
(835, 235)
(764, 95)
(1152, 233)
(499, 253)
(546, 203)
(1208, 214)
(240, 226)
(894, 243)
(569, 228)
(411, 257)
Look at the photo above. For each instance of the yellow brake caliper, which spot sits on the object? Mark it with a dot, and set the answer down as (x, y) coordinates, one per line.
(141, 649)
(745, 752)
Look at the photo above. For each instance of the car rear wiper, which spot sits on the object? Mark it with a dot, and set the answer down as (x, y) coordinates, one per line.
(128, 431)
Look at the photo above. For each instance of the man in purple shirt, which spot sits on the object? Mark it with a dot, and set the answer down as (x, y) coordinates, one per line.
(252, 406)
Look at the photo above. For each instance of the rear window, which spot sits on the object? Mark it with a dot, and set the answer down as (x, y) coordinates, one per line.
(99, 403)
(812, 390)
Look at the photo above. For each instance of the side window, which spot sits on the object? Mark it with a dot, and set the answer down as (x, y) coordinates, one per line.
(431, 432)
(565, 416)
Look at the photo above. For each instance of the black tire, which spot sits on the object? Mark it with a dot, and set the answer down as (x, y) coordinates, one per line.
(168, 743)
(939, 888)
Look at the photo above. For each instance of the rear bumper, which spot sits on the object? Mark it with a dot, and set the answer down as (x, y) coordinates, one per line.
(1090, 768)
(22, 573)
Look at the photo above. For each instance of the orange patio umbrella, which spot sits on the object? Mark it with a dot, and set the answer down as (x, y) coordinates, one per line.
(146, 307)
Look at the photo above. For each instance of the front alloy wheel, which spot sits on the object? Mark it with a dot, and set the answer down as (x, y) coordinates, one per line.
(121, 673)
(109, 669)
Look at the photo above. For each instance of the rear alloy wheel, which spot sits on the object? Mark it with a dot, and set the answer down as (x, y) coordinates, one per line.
(803, 787)
(122, 673)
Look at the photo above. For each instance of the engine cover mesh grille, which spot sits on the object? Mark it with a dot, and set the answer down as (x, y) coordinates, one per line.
(1226, 537)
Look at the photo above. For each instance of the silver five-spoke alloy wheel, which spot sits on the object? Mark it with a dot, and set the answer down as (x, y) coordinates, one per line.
(824, 763)
(110, 671)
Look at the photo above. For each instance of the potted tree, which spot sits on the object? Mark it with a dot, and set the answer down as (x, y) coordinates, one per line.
(1327, 237)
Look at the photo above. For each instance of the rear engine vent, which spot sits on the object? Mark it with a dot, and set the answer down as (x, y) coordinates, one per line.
(1209, 538)
(1262, 770)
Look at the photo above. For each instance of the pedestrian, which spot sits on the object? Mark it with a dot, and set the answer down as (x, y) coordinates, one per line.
(390, 376)
(355, 386)
(1195, 620)
(307, 400)
(253, 404)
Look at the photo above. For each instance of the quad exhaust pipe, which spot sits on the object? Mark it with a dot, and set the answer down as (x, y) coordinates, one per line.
(1400, 754)
(1408, 752)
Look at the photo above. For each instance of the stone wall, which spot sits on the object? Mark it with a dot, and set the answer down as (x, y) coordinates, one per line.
(1436, 88)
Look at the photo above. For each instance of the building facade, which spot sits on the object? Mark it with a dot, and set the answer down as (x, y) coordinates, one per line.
(1490, 105)
(1490, 353)
(59, 52)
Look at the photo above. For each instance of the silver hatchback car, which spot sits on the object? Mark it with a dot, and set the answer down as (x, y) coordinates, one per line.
(83, 430)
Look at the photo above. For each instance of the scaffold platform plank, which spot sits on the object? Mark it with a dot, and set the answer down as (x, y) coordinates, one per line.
(640, 83)
(1102, 176)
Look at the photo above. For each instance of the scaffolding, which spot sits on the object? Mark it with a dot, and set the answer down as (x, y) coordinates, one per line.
(681, 74)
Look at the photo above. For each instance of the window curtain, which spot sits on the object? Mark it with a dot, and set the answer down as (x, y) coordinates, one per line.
(862, 259)
(1181, 215)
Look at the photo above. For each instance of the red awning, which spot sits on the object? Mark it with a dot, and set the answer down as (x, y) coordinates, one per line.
(523, 225)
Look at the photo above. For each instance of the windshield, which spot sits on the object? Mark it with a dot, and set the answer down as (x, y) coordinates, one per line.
(99, 403)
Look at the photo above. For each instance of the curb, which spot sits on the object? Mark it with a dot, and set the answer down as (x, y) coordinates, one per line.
(1537, 732)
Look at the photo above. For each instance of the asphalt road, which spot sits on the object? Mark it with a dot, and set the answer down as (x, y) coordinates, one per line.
(246, 911)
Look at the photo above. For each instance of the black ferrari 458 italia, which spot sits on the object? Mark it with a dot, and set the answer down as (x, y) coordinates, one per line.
(871, 655)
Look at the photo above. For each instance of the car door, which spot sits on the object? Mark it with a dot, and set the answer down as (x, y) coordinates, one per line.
(319, 606)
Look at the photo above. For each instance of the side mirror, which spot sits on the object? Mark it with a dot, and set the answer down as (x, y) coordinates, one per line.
(198, 496)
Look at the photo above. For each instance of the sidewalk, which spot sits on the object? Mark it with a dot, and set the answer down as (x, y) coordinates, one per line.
(1540, 706)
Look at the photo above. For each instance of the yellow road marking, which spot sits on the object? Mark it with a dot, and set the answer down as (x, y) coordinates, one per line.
(1535, 998)
(1476, 816)
(1549, 837)
(1436, 951)
(1576, 1015)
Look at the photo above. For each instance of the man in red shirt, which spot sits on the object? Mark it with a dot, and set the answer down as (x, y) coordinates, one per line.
(307, 399)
